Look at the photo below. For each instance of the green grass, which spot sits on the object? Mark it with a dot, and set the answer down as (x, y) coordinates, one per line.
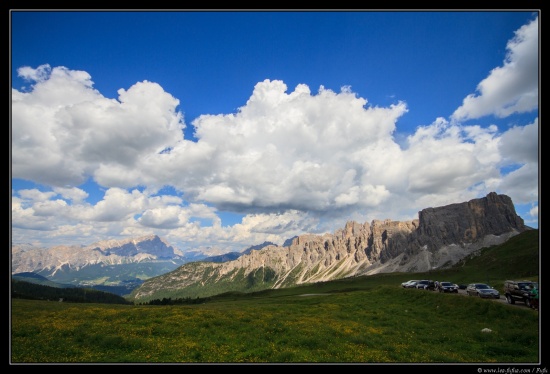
(355, 320)
(387, 324)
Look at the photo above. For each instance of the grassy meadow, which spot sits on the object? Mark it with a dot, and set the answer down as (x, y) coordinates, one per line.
(385, 325)
(355, 320)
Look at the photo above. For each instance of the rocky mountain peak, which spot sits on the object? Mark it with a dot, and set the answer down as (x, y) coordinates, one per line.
(149, 244)
(440, 237)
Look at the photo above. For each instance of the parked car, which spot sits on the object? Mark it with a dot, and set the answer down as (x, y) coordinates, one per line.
(426, 284)
(448, 287)
(519, 291)
(409, 284)
(482, 290)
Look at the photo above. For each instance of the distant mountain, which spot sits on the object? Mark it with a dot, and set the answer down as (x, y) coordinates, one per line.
(118, 266)
(223, 258)
(440, 238)
(257, 247)
(235, 255)
(288, 242)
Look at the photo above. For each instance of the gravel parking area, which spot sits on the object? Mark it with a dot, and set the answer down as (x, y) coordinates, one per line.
(501, 300)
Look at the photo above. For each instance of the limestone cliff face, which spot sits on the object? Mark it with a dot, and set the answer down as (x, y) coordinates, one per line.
(468, 222)
(439, 238)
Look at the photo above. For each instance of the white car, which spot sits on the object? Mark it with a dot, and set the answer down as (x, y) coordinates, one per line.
(410, 283)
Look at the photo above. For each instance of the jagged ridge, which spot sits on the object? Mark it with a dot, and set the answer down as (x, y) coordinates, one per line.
(439, 238)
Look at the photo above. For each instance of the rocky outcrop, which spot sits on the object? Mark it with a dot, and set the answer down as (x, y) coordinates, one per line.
(467, 222)
(440, 237)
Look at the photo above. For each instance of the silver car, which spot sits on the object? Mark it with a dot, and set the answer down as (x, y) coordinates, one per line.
(410, 284)
(482, 290)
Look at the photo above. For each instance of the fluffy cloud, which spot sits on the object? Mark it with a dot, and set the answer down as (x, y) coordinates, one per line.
(520, 143)
(511, 88)
(292, 150)
(64, 130)
(290, 162)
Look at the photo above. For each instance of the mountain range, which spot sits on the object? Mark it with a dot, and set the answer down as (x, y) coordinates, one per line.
(111, 265)
(116, 266)
(149, 267)
(439, 238)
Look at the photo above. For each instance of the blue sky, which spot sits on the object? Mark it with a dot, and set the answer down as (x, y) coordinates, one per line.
(221, 130)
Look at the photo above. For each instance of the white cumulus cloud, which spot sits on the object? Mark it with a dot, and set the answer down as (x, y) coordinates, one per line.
(512, 87)
(289, 161)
